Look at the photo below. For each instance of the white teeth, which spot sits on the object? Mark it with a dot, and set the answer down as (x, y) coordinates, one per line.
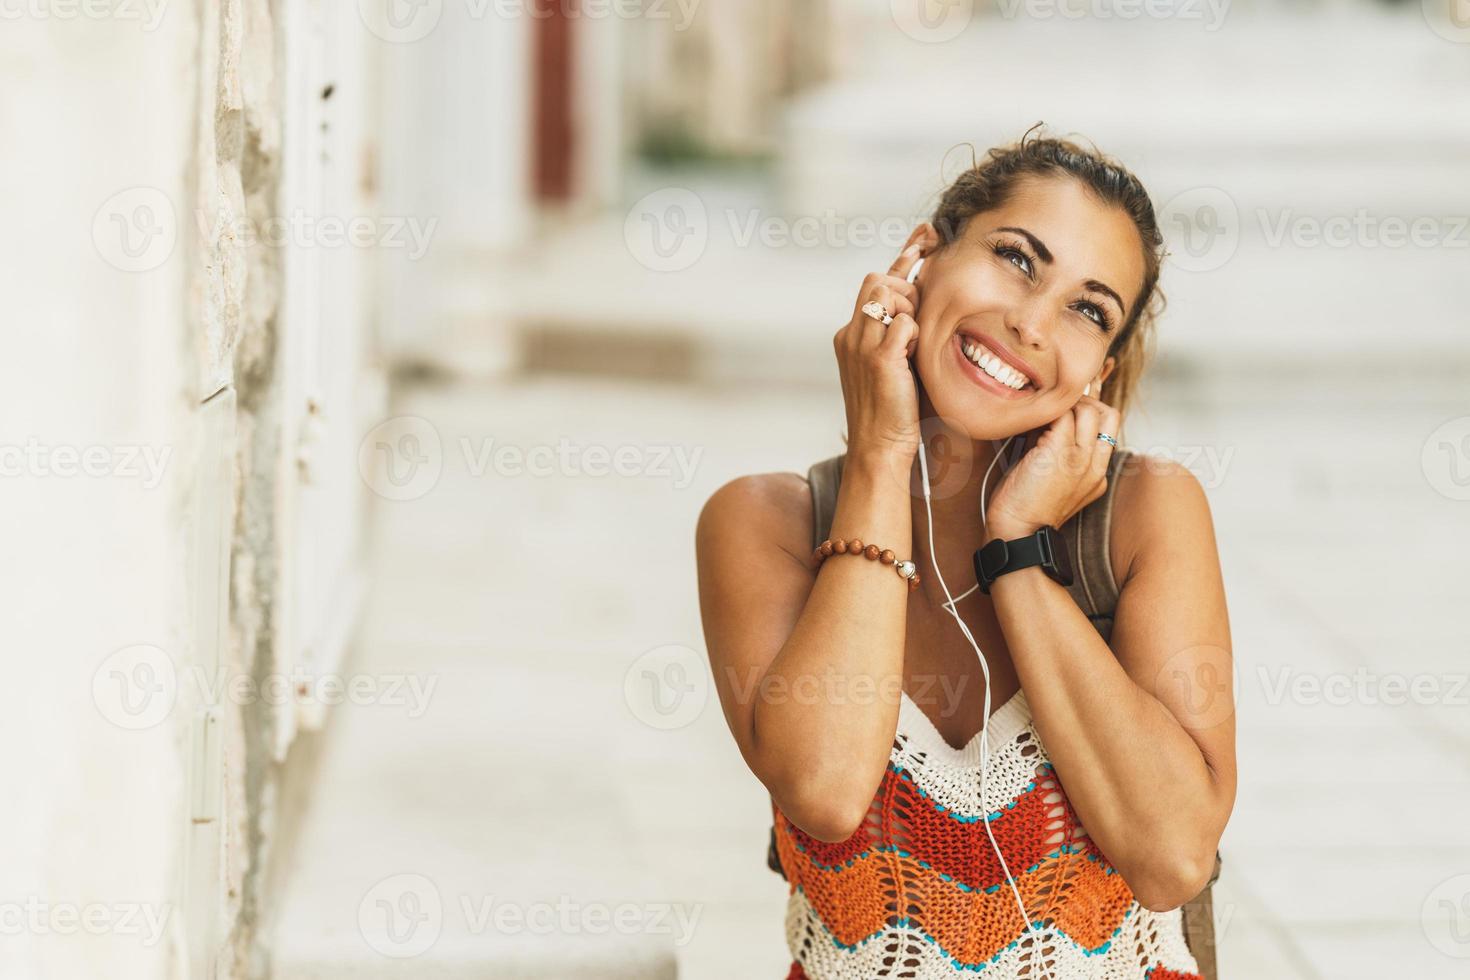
(994, 366)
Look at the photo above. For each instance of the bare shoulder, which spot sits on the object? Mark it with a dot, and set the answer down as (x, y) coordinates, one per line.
(774, 509)
(753, 558)
(1159, 507)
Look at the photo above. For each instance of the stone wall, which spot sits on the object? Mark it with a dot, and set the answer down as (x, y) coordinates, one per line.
(147, 444)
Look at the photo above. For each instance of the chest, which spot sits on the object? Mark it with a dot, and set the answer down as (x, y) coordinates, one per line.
(943, 676)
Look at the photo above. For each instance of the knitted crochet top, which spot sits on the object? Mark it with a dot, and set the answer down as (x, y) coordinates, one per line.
(917, 891)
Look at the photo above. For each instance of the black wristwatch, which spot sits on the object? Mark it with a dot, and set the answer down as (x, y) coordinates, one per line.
(1046, 548)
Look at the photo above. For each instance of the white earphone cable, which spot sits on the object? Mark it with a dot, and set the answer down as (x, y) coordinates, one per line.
(984, 667)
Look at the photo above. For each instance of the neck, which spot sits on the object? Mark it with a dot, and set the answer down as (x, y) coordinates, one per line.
(957, 465)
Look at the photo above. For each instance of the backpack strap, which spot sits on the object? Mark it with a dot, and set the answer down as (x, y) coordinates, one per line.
(825, 477)
(1088, 533)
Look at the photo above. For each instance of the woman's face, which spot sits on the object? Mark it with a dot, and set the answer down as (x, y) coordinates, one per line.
(1044, 282)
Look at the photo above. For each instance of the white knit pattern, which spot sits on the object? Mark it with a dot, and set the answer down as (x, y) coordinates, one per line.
(951, 778)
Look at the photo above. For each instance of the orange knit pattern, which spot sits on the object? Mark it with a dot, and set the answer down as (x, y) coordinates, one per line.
(918, 892)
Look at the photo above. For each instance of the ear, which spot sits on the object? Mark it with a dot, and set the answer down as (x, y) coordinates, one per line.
(1107, 368)
(926, 235)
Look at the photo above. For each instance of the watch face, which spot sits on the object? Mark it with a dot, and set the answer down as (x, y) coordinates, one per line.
(1060, 560)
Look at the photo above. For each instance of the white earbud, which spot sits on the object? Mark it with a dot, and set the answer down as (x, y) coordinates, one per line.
(1088, 389)
(914, 272)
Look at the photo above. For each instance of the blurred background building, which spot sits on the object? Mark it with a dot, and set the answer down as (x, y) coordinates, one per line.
(371, 361)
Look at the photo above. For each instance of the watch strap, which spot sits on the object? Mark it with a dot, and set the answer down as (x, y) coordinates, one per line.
(999, 557)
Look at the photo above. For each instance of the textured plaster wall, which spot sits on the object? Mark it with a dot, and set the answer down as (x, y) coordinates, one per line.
(163, 120)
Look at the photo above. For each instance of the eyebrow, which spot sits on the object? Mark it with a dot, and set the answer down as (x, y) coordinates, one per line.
(1045, 255)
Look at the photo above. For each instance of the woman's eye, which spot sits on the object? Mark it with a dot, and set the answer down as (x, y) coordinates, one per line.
(1095, 314)
(1018, 259)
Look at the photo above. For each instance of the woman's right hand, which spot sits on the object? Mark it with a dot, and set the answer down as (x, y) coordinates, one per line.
(873, 361)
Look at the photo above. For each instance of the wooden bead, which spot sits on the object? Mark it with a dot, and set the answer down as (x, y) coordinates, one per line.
(855, 546)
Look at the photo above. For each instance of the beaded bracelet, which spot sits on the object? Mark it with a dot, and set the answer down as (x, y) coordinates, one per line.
(837, 546)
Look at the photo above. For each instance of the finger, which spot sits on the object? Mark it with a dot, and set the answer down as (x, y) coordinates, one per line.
(902, 335)
(905, 261)
(1087, 417)
(1102, 452)
(1064, 430)
(902, 286)
(893, 301)
(873, 330)
(877, 290)
(1032, 438)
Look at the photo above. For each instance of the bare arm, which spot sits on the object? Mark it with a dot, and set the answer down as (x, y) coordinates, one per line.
(808, 666)
(1143, 734)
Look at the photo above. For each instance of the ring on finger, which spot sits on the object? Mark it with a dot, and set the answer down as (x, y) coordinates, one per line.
(1108, 439)
(875, 309)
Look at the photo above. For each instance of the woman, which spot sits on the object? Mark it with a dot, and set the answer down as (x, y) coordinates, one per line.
(916, 847)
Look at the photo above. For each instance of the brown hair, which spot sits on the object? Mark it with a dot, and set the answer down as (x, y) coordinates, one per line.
(989, 183)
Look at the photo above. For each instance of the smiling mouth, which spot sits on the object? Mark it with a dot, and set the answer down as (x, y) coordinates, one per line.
(999, 370)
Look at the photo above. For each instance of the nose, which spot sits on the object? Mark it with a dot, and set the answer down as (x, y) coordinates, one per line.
(1028, 320)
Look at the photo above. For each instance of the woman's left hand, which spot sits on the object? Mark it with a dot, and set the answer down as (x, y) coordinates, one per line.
(1064, 469)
